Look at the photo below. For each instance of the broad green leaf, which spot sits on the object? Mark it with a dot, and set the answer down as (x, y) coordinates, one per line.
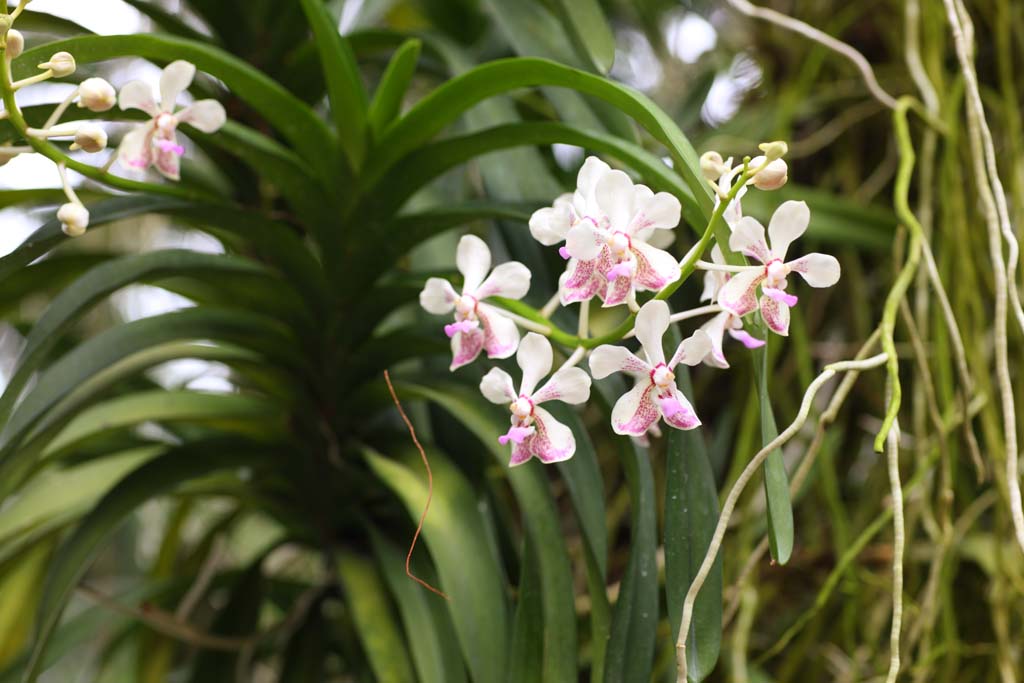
(152, 479)
(344, 85)
(97, 284)
(387, 100)
(429, 633)
(20, 582)
(630, 653)
(371, 614)
(468, 572)
(691, 513)
(289, 115)
(776, 482)
(590, 32)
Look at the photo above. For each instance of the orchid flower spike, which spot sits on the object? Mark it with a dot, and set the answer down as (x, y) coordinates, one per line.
(609, 238)
(155, 142)
(739, 294)
(655, 395)
(534, 432)
(478, 326)
(725, 321)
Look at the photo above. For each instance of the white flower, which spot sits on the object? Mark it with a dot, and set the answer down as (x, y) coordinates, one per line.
(725, 321)
(478, 325)
(739, 294)
(74, 219)
(534, 432)
(155, 142)
(96, 94)
(655, 395)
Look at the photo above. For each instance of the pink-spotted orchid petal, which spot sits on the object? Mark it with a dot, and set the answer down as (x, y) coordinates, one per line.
(607, 359)
(534, 358)
(788, 223)
(635, 411)
(569, 385)
(655, 268)
(748, 238)
(473, 259)
(509, 280)
(775, 315)
(692, 350)
(677, 411)
(438, 296)
(739, 294)
(501, 336)
(168, 157)
(550, 225)
(582, 282)
(652, 322)
(174, 80)
(748, 340)
(497, 386)
(136, 148)
(780, 295)
(818, 270)
(466, 346)
(207, 116)
(552, 442)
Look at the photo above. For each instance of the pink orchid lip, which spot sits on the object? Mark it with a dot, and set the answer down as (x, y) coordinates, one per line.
(462, 326)
(670, 406)
(780, 296)
(169, 146)
(564, 253)
(745, 338)
(515, 434)
(619, 270)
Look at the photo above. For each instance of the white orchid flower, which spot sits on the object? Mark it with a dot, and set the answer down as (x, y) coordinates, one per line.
(655, 394)
(478, 326)
(739, 294)
(534, 431)
(725, 321)
(155, 142)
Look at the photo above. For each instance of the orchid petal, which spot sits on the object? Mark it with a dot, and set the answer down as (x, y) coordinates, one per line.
(168, 159)
(569, 385)
(534, 360)
(174, 80)
(497, 387)
(692, 350)
(136, 149)
(473, 259)
(138, 95)
(438, 296)
(617, 291)
(207, 116)
(582, 281)
(776, 315)
(748, 239)
(606, 359)
(635, 411)
(550, 225)
(651, 323)
(660, 211)
(678, 412)
(819, 270)
(584, 241)
(509, 280)
(462, 326)
(553, 442)
(591, 171)
(624, 269)
(788, 223)
(655, 268)
(715, 329)
(466, 346)
(501, 336)
(739, 294)
(517, 435)
(614, 194)
(747, 339)
(781, 296)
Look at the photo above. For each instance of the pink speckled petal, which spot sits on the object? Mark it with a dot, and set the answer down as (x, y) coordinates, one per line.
(617, 292)
(553, 441)
(776, 315)
(748, 238)
(569, 385)
(607, 359)
(466, 346)
(655, 267)
(678, 412)
(501, 336)
(636, 411)
(739, 294)
(583, 282)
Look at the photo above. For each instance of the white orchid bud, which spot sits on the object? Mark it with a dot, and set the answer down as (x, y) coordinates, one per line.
(61, 64)
(15, 43)
(91, 138)
(774, 150)
(74, 219)
(712, 165)
(773, 176)
(96, 94)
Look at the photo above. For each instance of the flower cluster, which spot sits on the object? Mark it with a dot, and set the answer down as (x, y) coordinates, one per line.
(151, 143)
(613, 234)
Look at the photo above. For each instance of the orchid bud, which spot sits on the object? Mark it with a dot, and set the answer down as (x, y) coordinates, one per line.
(91, 138)
(712, 165)
(96, 94)
(773, 176)
(74, 219)
(61, 64)
(15, 43)
(774, 150)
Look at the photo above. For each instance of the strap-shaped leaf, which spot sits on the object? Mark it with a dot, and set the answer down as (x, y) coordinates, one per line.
(387, 100)
(152, 479)
(776, 482)
(586, 24)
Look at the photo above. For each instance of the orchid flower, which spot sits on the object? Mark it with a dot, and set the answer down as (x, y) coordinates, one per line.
(478, 326)
(739, 294)
(609, 225)
(534, 432)
(655, 395)
(155, 142)
(774, 175)
(725, 321)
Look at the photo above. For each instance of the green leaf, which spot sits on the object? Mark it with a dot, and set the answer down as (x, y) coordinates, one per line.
(306, 653)
(691, 514)
(20, 582)
(589, 30)
(776, 483)
(526, 663)
(344, 85)
(387, 100)
(289, 115)
(152, 479)
(77, 299)
(454, 533)
(167, 21)
(370, 611)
